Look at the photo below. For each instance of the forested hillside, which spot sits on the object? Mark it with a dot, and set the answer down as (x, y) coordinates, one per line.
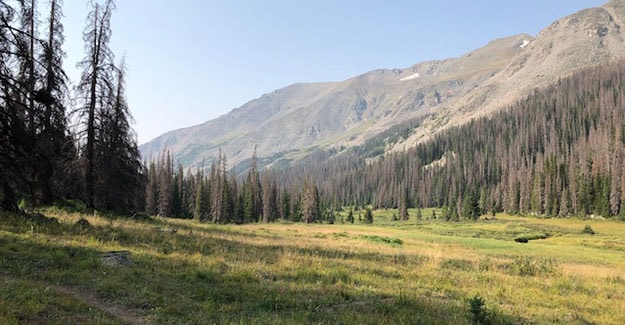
(558, 152)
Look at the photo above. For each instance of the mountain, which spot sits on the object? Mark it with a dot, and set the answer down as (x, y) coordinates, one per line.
(290, 122)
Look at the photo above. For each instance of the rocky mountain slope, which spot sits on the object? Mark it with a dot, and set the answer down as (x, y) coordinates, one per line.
(289, 122)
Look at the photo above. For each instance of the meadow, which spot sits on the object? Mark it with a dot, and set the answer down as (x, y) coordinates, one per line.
(427, 271)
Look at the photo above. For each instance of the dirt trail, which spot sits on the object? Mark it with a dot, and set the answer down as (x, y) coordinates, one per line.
(127, 315)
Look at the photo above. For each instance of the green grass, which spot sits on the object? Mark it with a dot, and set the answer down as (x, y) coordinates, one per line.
(390, 272)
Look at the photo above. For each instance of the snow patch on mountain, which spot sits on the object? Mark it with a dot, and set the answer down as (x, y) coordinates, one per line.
(410, 77)
(524, 44)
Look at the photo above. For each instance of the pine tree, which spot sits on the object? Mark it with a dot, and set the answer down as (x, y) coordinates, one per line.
(248, 201)
(285, 205)
(368, 215)
(165, 180)
(35, 146)
(119, 171)
(252, 193)
(403, 205)
(269, 198)
(13, 148)
(95, 86)
(470, 207)
(151, 191)
(54, 147)
(350, 216)
(178, 194)
(310, 202)
(202, 206)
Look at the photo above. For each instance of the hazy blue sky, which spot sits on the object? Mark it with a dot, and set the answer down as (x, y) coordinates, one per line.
(192, 60)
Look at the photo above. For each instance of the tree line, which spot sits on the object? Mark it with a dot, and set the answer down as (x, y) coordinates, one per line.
(216, 195)
(51, 150)
(558, 152)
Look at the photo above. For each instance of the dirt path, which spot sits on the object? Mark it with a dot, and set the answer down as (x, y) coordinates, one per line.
(127, 315)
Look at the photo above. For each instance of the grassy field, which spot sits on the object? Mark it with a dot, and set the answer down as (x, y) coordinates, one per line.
(410, 272)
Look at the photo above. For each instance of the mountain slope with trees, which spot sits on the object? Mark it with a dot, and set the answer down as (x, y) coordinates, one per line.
(558, 152)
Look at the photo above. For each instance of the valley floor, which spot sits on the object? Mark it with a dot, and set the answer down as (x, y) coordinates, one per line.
(411, 272)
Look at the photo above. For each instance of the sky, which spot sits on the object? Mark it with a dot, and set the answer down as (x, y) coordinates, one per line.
(190, 61)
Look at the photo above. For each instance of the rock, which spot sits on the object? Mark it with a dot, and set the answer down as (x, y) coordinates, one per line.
(116, 258)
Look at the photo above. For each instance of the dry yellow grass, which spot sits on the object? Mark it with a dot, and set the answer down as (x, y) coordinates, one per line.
(284, 273)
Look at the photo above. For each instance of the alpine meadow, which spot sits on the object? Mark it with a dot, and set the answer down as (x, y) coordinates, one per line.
(483, 189)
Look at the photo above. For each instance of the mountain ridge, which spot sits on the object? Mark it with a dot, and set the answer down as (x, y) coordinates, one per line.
(349, 102)
(289, 122)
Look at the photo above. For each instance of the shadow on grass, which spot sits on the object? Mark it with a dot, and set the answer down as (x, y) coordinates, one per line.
(230, 286)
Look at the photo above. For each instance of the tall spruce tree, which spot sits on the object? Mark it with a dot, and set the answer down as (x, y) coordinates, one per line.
(33, 131)
(403, 205)
(119, 173)
(151, 190)
(310, 202)
(269, 197)
(113, 171)
(54, 144)
(95, 87)
(12, 127)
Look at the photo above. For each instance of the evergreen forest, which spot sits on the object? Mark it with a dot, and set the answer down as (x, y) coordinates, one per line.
(558, 152)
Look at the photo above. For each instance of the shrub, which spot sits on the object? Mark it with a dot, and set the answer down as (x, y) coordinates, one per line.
(479, 313)
(588, 230)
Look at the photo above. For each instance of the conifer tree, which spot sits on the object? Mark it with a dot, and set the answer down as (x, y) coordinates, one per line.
(12, 119)
(202, 206)
(368, 215)
(119, 171)
(270, 202)
(310, 202)
(403, 205)
(151, 191)
(95, 87)
(350, 216)
(165, 180)
(54, 141)
(285, 205)
(252, 191)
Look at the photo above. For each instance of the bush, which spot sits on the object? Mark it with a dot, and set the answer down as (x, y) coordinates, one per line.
(588, 230)
(479, 313)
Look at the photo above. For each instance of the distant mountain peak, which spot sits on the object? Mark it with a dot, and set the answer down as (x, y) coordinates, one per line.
(290, 122)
